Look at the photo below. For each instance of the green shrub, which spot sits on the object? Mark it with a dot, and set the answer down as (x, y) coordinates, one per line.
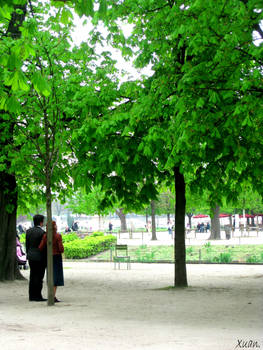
(69, 237)
(148, 257)
(215, 259)
(83, 248)
(252, 259)
(208, 247)
(225, 258)
(189, 250)
(144, 256)
(97, 234)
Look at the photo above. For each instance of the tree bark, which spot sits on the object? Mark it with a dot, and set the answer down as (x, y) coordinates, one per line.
(99, 222)
(215, 224)
(8, 207)
(50, 280)
(122, 217)
(230, 220)
(253, 219)
(180, 276)
(154, 237)
(189, 215)
(8, 189)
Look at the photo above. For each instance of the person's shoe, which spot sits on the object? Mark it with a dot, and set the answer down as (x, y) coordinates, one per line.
(56, 300)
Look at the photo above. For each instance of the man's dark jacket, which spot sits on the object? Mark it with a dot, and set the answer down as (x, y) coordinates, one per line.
(33, 238)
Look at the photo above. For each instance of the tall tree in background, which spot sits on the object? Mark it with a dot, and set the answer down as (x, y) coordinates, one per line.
(88, 203)
(165, 204)
(153, 205)
(8, 188)
(122, 216)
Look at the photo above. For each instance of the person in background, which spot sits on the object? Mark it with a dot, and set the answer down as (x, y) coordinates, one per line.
(110, 226)
(21, 229)
(170, 230)
(75, 226)
(67, 229)
(37, 259)
(58, 249)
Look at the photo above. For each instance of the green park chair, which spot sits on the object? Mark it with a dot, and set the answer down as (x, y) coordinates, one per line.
(121, 255)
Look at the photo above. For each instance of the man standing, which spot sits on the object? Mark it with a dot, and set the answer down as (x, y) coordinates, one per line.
(37, 259)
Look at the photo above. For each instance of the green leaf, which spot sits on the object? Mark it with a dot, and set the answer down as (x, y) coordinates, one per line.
(41, 84)
(200, 103)
(17, 81)
(103, 8)
(84, 7)
(12, 105)
(66, 15)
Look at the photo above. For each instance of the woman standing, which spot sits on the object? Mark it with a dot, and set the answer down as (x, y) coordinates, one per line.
(58, 249)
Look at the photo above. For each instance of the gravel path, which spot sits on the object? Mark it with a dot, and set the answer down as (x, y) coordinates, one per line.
(106, 309)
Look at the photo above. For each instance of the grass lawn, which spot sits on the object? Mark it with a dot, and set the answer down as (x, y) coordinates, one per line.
(208, 253)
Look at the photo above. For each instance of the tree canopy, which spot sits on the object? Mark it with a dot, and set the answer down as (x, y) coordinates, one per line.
(195, 124)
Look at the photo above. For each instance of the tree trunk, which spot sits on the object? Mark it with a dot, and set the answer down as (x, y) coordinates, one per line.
(230, 220)
(253, 219)
(244, 219)
(8, 189)
(50, 280)
(180, 276)
(99, 222)
(8, 207)
(154, 237)
(215, 224)
(189, 215)
(122, 217)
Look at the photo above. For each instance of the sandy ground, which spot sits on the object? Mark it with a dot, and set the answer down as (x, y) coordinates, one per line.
(105, 309)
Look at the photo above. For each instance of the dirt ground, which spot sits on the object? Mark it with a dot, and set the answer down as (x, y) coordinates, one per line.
(105, 309)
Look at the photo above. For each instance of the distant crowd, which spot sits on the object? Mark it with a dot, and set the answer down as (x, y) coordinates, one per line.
(202, 227)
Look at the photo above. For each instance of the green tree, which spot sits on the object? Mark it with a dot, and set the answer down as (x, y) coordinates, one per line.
(15, 50)
(165, 204)
(191, 121)
(59, 91)
(88, 203)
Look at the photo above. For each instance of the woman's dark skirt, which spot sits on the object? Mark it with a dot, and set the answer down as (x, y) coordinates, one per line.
(58, 270)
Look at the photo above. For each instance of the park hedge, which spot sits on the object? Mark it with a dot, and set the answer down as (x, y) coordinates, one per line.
(90, 245)
(69, 237)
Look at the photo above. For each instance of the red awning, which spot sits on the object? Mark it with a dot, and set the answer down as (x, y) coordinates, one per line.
(246, 216)
(224, 215)
(200, 216)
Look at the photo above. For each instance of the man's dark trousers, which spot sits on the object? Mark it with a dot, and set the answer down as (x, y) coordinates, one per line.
(37, 272)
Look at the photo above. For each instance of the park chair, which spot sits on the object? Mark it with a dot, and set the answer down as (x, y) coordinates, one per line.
(121, 256)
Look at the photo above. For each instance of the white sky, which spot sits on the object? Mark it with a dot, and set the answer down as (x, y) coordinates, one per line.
(81, 34)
